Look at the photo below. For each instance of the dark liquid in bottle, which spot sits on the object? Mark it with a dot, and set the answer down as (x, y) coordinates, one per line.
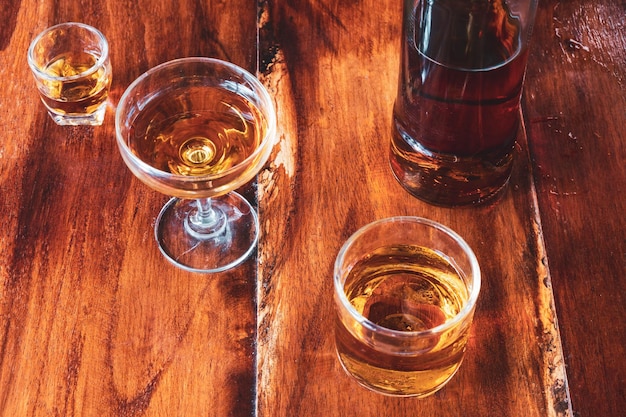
(456, 115)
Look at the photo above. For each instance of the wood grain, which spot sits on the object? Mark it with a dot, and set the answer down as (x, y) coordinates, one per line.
(334, 73)
(94, 321)
(576, 111)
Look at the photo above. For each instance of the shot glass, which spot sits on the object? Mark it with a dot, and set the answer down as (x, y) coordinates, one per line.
(405, 291)
(72, 70)
(456, 114)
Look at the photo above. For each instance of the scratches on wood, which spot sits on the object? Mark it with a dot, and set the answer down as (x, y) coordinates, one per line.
(553, 366)
(276, 192)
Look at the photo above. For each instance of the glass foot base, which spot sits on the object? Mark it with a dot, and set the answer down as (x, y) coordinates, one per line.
(92, 119)
(219, 249)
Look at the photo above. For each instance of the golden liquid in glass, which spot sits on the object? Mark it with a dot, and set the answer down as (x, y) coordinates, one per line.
(407, 289)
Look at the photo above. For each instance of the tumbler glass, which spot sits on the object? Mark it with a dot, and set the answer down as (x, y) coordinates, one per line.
(71, 66)
(456, 114)
(405, 294)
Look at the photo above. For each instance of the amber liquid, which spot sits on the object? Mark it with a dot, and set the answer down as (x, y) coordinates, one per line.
(456, 115)
(79, 95)
(197, 131)
(407, 289)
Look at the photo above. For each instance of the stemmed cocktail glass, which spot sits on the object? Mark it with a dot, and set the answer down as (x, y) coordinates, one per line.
(197, 129)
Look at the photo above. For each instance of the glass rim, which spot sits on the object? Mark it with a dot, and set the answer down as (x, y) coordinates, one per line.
(104, 52)
(267, 141)
(468, 307)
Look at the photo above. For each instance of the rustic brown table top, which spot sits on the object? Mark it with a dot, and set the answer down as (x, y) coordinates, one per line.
(95, 322)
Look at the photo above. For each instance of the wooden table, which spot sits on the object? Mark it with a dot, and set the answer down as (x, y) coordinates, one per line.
(95, 322)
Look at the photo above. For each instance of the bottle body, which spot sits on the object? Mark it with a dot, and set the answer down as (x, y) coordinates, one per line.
(456, 114)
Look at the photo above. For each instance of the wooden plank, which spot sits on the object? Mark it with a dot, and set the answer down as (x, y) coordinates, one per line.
(94, 320)
(333, 73)
(576, 111)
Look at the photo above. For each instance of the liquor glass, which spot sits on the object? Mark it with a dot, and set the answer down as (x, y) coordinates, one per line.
(71, 66)
(456, 114)
(197, 129)
(405, 291)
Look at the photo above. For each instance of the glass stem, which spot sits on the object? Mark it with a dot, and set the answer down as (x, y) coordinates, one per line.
(206, 222)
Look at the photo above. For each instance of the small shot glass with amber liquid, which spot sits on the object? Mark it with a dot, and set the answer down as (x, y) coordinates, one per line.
(72, 70)
(405, 293)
